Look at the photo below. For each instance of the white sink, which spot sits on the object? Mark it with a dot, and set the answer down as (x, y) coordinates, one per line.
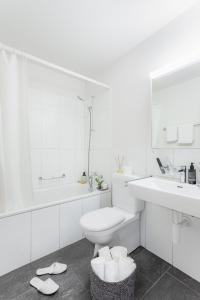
(181, 197)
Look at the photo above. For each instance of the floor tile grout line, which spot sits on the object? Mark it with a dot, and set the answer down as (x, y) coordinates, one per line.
(155, 283)
(193, 290)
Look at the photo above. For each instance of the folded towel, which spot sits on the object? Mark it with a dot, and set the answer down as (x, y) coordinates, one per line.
(185, 134)
(171, 134)
(111, 271)
(97, 265)
(118, 251)
(105, 253)
(126, 266)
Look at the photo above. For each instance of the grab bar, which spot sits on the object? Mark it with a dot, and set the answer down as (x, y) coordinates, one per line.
(52, 178)
(126, 182)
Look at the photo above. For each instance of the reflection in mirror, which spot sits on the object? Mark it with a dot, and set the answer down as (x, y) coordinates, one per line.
(176, 109)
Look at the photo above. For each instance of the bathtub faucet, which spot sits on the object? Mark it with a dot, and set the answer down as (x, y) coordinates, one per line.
(91, 182)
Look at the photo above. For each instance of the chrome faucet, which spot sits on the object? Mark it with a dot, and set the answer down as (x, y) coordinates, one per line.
(164, 169)
(91, 183)
(183, 170)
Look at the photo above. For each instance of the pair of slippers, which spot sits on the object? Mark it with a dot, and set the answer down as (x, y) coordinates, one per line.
(48, 286)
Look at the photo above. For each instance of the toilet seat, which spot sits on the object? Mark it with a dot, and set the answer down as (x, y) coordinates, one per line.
(102, 219)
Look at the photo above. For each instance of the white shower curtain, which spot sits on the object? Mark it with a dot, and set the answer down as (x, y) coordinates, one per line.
(15, 164)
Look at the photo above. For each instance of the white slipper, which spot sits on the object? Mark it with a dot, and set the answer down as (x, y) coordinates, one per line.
(55, 268)
(47, 287)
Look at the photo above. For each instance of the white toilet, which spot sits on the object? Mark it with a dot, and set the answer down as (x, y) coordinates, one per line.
(117, 225)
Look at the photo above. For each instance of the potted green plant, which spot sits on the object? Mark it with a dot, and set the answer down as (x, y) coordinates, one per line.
(99, 180)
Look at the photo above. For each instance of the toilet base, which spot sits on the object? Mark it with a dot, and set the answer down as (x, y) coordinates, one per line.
(96, 249)
(127, 236)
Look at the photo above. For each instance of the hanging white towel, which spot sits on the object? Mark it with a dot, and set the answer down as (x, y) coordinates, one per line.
(126, 267)
(111, 271)
(186, 134)
(98, 266)
(171, 134)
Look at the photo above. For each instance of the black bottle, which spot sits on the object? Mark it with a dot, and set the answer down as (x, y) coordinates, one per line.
(192, 174)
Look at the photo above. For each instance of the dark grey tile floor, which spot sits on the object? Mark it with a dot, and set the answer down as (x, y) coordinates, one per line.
(155, 280)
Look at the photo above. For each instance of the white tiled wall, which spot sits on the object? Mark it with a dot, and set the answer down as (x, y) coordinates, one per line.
(57, 126)
(177, 157)
(101, 144)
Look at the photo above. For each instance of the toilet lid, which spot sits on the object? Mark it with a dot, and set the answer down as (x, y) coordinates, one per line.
(101, 219)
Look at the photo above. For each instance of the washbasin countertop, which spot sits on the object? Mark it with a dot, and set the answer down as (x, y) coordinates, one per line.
(169, 186)
(182, 197)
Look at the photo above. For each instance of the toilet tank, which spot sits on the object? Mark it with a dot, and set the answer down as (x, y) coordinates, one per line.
(120, 194)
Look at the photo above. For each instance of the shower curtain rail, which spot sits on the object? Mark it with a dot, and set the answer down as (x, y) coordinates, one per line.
(52, 66)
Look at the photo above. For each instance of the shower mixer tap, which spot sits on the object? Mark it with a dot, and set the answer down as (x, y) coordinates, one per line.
(90, 181)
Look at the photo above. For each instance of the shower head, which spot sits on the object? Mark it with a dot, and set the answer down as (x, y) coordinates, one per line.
(89, 103)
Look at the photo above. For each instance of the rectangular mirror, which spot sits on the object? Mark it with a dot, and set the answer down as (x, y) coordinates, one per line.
(176, 108)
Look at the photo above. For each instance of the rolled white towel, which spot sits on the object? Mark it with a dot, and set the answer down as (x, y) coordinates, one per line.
(126, 267)
(105, 253)
(118, 251)
(111, 273)
(98, 265)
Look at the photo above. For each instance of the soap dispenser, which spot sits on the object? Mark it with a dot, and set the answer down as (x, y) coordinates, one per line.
(192, 174)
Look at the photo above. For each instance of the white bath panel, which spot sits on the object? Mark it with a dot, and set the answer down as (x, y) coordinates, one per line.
(91, 203)
(105, 200)
(45, 231)
(70, 230)
(15, 242)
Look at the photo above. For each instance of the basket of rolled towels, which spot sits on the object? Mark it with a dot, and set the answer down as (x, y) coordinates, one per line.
(112, 275)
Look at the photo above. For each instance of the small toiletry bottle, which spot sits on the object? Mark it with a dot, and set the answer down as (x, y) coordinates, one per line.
(192, 174)
(83, 178)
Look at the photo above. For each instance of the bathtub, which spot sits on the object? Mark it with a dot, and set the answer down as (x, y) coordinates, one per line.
(52, 196)
(48, 223)
(69, 193)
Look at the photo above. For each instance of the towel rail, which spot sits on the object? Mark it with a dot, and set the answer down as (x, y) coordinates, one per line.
(52, 178)
(196, 124)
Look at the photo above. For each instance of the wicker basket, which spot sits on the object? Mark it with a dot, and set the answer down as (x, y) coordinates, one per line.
(101, 290)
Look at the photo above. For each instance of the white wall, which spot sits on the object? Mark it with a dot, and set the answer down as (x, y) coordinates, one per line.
(130, 83)
(129, 79)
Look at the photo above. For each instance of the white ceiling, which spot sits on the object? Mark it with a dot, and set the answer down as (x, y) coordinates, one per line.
(83, 35)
